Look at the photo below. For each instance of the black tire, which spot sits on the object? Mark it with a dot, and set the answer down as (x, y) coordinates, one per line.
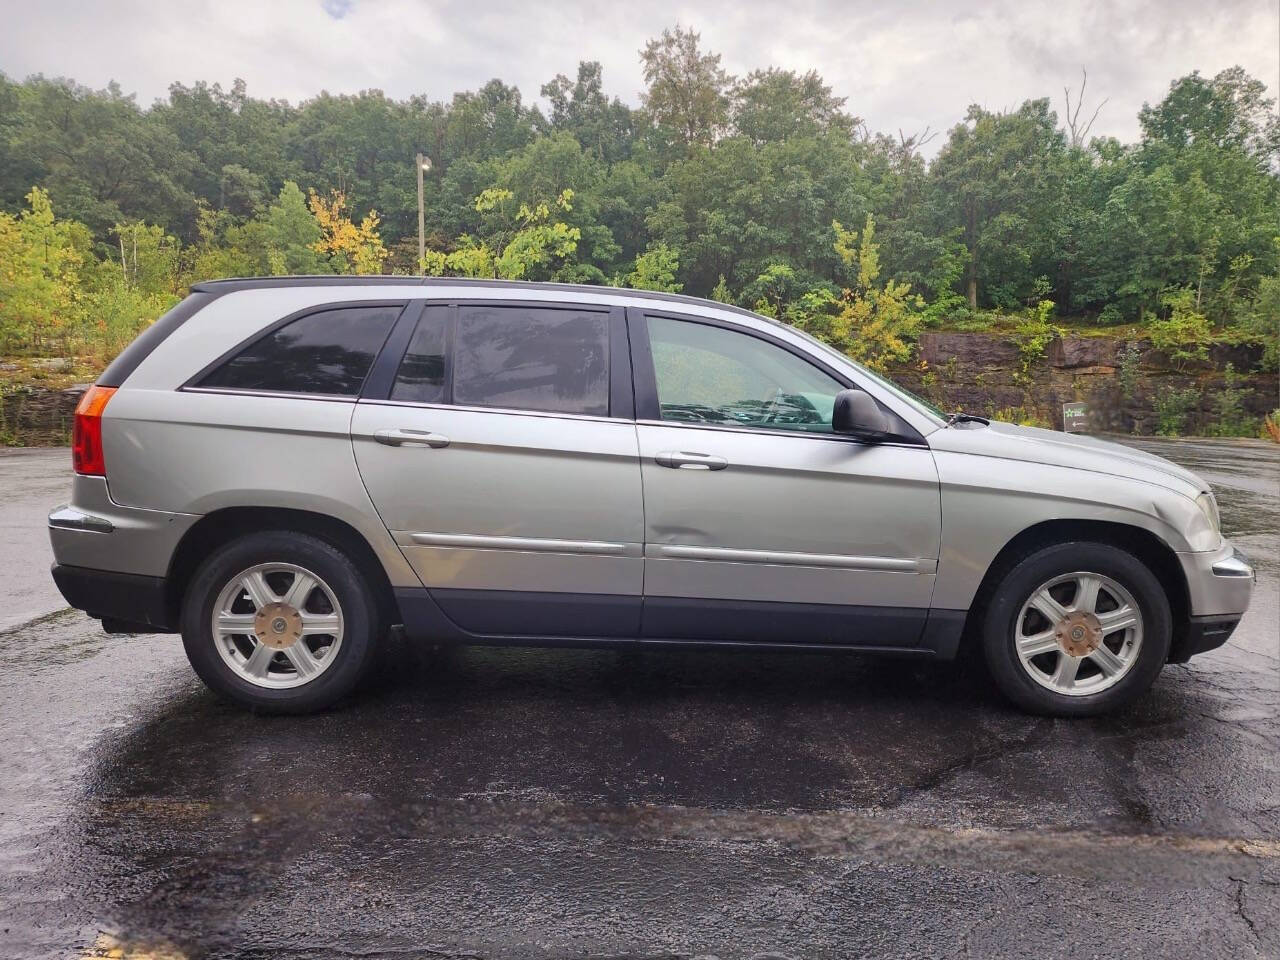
(360, 620)
(1025, 577)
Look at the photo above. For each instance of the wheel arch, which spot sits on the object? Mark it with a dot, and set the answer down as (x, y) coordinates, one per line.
(1158, 556)
(220, 527)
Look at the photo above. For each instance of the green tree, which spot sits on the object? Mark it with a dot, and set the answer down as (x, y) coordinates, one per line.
(997, 179)
(528, 243)
(101, 158)
(292, 234)
(687, 91)
(778, 104)
(40, 262)
(1230, 111)
(874, 323)
(655, 269)
(604, 127)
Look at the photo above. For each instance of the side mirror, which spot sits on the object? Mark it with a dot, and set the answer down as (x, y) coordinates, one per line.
(856, 414)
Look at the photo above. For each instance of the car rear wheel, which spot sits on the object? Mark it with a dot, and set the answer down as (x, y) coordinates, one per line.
(280, 622)
(1077, 629)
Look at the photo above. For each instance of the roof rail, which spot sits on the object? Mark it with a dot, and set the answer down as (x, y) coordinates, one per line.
(257, 283)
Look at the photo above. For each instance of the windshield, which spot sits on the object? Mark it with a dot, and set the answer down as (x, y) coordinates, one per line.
(919, 404)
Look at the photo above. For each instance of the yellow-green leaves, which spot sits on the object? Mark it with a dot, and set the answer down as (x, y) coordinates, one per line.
(875, 324)
(354, 248)
(531, 244)
(655, 269)
(40, 259)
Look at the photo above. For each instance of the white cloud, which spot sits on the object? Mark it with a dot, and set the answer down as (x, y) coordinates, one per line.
(906, 65)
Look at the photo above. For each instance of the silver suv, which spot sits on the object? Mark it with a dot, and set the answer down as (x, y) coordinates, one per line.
(283, 469)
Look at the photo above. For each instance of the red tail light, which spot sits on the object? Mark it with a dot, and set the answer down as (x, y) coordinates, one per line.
(86, 432)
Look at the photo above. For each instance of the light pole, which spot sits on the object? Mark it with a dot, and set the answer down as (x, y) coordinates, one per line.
(423, 163)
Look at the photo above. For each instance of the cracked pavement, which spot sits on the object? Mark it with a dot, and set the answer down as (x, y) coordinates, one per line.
(550, 803)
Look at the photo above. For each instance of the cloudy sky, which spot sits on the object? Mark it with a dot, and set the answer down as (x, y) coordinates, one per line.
(903, 65)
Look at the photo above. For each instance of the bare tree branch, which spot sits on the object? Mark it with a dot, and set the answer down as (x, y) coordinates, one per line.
(1080, 134)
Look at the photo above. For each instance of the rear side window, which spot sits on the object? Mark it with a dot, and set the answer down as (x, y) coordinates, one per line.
(327, 352)
(531, 358)
(420, 378)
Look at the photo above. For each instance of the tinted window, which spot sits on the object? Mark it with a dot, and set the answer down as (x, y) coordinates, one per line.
(421, 375)
(532, 359)
(711, 375)
(328, 352)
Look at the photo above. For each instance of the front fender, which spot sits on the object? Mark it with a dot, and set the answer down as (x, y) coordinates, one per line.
(987, 502)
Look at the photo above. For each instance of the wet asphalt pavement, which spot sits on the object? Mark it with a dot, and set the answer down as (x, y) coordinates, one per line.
(529, 803)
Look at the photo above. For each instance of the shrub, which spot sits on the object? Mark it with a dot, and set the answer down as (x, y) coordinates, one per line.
(1130, 370)
(1271, 423)
(1172, 406)
(872, 323)
(1023, 416)
(1111, 316)
(1033, 333)
(1230, 418)
(1185, 333)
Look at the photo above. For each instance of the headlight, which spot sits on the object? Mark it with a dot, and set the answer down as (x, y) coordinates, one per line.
(1208, 505)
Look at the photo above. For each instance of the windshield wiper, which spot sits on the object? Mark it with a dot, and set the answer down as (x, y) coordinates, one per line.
(962, 417)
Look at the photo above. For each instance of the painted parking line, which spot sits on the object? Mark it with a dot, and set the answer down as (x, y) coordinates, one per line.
(108, 946)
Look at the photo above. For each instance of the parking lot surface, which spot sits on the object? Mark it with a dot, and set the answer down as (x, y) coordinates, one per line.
(545, 803)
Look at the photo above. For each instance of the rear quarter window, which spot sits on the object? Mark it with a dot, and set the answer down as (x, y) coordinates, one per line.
(328, 352)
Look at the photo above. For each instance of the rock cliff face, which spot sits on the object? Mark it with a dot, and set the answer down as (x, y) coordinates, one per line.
(983, 373)
(977, 372)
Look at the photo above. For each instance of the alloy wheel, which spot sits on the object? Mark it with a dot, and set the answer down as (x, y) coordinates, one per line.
(277, 625)
(1078, 634)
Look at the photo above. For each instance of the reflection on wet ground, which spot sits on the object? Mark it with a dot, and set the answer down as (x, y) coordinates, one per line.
(528, 803)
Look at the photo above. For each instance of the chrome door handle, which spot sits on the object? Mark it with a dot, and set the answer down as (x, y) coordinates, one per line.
(684, 460)
(400, 438)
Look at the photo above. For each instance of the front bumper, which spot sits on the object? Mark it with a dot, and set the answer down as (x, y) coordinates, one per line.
(1219, 586)
(1219, 582)
(1202, 635)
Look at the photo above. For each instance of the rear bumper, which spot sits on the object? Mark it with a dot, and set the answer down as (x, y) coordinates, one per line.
(96, 533)
(125, 602)
(111, 560)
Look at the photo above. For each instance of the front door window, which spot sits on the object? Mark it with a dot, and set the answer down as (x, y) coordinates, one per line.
(712, 376)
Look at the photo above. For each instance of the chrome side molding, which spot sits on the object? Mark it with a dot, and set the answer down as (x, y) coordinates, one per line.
(680, 551)
(476, 542)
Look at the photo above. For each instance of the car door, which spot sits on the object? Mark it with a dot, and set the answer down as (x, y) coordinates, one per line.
(500, 452)
(761, 524)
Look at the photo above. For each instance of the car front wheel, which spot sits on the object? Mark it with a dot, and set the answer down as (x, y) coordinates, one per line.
(279, 622)
(1077, 629)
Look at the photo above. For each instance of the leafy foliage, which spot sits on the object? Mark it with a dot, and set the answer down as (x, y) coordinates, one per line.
(351, 247)
(1172, 407)
(714, 185)
(871, 322)
(656, 270)
(1184, 333)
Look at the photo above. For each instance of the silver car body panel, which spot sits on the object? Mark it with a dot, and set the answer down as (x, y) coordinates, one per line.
(528, 502)
(789, 519)
(1000, 480)
(197, 451)
(135, 540)
(514, 502)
